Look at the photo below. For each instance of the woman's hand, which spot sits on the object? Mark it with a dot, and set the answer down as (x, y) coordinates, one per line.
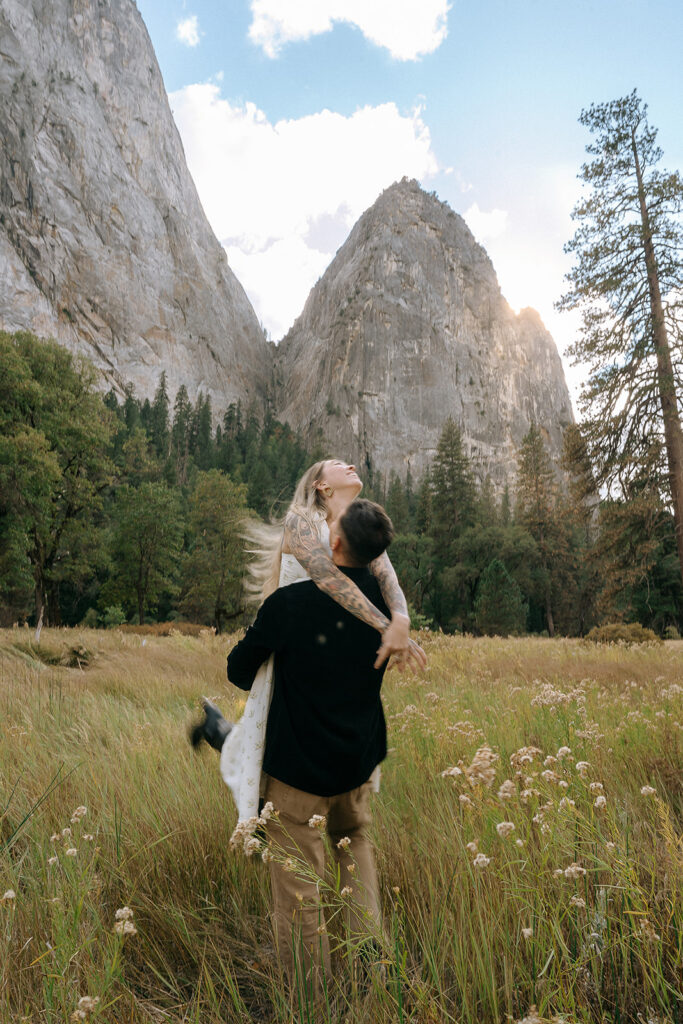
(399, 648)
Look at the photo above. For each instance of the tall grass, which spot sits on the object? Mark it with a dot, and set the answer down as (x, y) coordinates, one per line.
(481, 927)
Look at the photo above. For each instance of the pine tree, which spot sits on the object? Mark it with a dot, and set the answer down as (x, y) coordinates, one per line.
(538, 511)
(397, 504)
(627, 282)
(499, 607)
(453, 492)
(158, 420)
(180, 435)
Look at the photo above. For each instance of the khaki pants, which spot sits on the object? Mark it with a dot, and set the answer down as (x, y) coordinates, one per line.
(299, 923)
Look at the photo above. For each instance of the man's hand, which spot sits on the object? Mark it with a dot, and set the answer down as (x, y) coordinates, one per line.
(397, 645)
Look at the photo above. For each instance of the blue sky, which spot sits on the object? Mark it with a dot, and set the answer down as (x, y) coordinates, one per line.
(296, 113)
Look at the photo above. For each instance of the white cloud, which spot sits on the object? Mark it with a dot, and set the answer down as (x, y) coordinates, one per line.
(283, 196)
(485, 226)
(408, 29)
(187, 31)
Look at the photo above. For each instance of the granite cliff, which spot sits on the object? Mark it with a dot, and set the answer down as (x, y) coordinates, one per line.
(408, 326)
(104, 245)
(103, 241)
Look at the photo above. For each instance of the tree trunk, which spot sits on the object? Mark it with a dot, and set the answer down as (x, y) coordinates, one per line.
(549, 611)
(673, 434)
(141, 607)
(40, 610)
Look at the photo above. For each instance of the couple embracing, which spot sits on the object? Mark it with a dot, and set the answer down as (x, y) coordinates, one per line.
(313, 732)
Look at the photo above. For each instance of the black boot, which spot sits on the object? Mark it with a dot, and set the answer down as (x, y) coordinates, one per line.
(213, 729)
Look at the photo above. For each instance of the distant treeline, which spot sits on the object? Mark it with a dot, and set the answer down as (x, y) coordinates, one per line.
(127, 510)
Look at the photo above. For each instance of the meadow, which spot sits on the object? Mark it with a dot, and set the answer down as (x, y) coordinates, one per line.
(528, 831)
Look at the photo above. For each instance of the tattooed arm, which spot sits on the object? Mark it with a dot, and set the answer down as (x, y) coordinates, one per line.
(397, 635)
(302, 541)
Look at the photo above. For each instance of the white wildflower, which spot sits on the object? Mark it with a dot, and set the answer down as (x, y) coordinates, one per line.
(268, 811)
(600, 803)
(473, 847)
(507, 790)
(252, 846)
(318, 821)
(527, 932)
(451, 772)
(88, 837)
(343, 843)
(648, 791)
(267, 855)
(505, 828)
(66, 832)
(71, 852)
(563, 752)
(565, 803)
(123, 914)
(465, 800)
(88, 1003)
(9, 896)
(578, 901)
(596, 787)
(582, 767)
(532, 1017)
(52, 860)
(558, 873)
(574, 871)
(125, 928)
(519, 842)
(481, 861)
(346, 891)
(648, 932)
(482, 770)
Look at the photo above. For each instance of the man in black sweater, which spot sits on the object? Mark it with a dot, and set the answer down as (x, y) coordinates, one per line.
(325, 735)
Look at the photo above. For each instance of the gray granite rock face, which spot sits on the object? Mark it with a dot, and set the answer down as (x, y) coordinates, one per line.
(103, 241)
(407, 327)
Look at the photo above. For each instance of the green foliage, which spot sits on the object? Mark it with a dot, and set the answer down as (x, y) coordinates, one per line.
(54, 467)
(626, 281)
(499, 606)
(622, 633)
(140, 510)
(146, 546)
(113, 616)
(214, 568)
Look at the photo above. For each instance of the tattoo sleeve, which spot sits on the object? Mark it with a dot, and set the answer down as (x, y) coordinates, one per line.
(304, 543)
(385, 574)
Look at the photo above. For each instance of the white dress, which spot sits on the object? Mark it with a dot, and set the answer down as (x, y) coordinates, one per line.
(242, 752)
(243, 748)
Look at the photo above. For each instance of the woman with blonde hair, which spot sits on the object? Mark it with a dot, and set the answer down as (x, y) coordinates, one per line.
(296, 551)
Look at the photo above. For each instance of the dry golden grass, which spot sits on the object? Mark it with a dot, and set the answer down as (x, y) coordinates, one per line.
(110, 736)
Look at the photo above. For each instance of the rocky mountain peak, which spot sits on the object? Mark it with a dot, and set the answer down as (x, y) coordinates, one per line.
(103, 241)
(407, 327)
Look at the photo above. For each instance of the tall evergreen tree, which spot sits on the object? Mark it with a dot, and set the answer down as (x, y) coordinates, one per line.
(538, 511)
(159, 419)
(627, 283)
(453, 491)
(499, 607)
(180, 435)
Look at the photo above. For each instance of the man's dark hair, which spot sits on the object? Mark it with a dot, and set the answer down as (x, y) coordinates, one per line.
(367, 529)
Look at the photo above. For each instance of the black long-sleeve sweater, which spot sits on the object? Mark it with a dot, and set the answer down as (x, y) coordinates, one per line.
(326, 730)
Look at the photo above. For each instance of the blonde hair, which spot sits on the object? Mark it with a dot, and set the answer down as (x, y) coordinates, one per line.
(266, 539)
